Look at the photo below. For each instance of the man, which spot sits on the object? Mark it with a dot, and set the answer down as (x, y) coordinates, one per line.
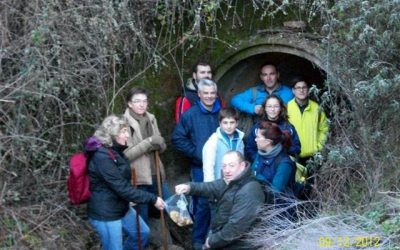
(189, 97)
(309, 120)
(250, 101)
(193, 130)
(238, 196)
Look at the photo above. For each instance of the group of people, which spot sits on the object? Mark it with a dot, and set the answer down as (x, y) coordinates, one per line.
(230, 169)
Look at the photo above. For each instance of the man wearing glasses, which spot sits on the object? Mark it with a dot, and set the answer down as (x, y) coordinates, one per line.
(250, 100)
(309, 120)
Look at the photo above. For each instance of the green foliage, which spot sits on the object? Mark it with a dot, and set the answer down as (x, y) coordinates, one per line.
(362, 45)
(392, 225)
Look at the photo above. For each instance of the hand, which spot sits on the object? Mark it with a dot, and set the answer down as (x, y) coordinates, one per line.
(160, 204)
(156, 140)
(182, 188)
(258, 110)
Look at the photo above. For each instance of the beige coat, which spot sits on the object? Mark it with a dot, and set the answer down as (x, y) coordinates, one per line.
(140, 150)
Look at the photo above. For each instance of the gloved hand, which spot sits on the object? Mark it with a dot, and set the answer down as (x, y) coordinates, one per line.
(156, 140)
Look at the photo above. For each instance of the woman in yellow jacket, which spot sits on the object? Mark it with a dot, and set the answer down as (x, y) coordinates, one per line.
(309, 120)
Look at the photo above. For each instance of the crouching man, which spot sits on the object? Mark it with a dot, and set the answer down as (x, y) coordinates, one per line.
(238, 195)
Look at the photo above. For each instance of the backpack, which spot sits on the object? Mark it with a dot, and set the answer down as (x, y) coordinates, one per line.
(78, 183)
(182, 104)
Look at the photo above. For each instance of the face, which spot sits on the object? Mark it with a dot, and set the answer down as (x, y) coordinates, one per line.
(232, 167)
(273, 109)
(122, 136)
(269, 76)
(228, 125)
(300, 91)
(138, 104)
(203, 72)
(261, 141)
(208, 96)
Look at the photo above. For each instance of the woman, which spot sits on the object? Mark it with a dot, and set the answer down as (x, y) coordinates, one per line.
(145, 139)
(274, 110)
(272, 164)
(109, 173)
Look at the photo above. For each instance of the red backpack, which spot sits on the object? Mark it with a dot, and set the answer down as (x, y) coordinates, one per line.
(182, 104)
(78, 180)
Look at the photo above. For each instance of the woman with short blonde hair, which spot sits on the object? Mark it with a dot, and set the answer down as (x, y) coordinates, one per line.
(111, 191)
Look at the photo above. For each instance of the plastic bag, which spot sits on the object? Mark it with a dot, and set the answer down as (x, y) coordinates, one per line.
(176, 207)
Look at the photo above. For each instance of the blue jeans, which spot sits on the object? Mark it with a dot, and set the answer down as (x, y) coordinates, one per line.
(143, 208)
(111, 232)
(201, 211)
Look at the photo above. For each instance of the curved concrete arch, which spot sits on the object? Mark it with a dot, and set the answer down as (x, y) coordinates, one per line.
(293, 53)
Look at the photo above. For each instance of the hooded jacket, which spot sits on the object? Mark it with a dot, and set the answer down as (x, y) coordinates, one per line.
(215, 148)
(194, 129)
(110, 185)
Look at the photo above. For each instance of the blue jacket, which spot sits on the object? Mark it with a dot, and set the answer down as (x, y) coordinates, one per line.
(251, 146)
(193, 130)
(277, 175)
(245, 103)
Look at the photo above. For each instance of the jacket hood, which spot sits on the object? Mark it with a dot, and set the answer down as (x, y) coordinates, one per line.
(215, 109)
(92, 144)
(239, 133)
(191, 85)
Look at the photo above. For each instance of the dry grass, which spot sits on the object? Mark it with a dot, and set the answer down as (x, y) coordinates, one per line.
(346, 230)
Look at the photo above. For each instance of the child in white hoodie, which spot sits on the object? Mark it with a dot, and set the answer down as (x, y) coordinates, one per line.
(226, 138)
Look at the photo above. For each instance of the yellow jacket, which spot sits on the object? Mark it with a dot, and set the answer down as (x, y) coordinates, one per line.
(311, 126)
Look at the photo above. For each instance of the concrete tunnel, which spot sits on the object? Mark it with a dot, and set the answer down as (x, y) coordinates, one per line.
(239, 68)
(293, 54)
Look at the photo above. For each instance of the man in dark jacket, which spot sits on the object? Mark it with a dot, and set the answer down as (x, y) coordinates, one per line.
(193, 130)
(238, 196)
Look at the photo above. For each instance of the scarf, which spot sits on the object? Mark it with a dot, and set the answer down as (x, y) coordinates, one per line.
(146, 130)
(144, 123)
(272, 153)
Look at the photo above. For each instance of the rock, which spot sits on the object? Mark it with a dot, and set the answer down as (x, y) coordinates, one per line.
(295, 25)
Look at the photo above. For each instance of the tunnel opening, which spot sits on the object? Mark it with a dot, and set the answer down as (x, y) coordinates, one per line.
(293, 54)
(245, 72)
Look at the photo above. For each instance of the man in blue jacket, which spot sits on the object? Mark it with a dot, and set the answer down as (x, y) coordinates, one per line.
(194, 128)
(250, 101)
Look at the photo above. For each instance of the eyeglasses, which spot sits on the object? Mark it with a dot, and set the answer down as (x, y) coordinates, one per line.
(137, 101)
(272, 107)
(266, 74)
(301, 88)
